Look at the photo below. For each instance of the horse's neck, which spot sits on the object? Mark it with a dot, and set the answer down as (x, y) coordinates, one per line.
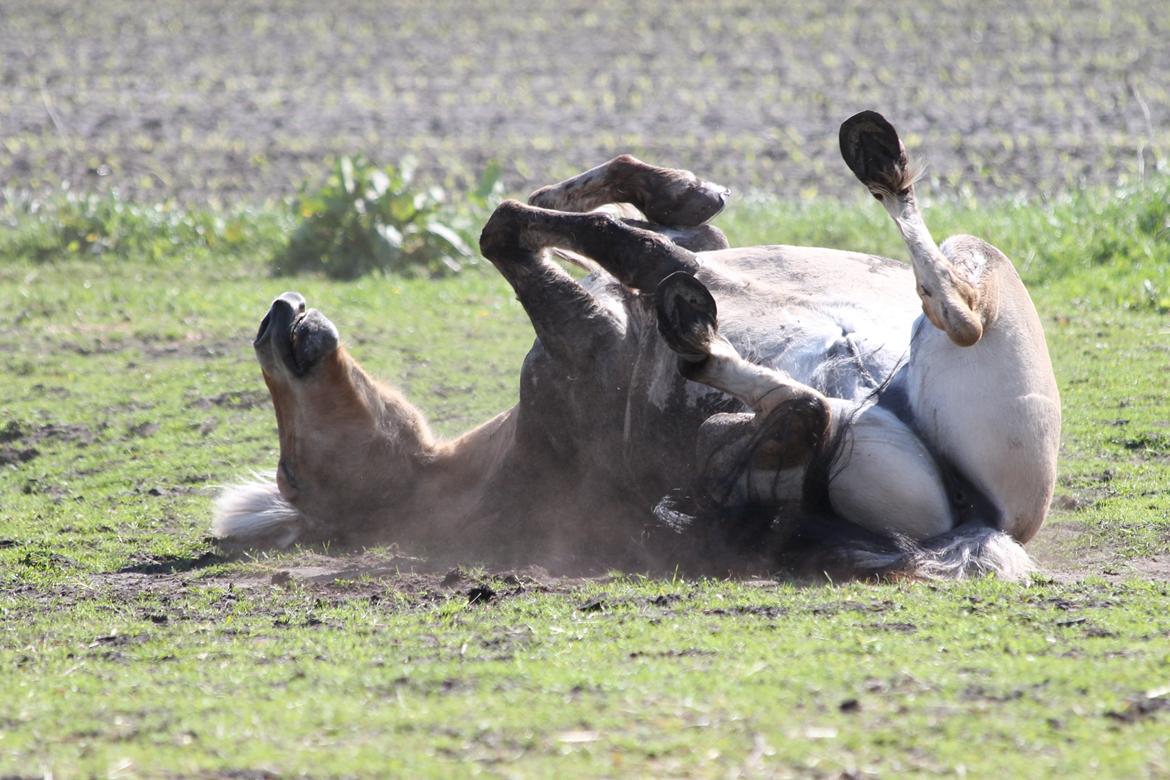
(457, 475)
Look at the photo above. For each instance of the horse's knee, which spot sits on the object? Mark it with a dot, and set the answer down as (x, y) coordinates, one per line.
(963, 298)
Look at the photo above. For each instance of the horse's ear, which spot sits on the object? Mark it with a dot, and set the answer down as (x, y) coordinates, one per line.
(687, 315)
(871, 148)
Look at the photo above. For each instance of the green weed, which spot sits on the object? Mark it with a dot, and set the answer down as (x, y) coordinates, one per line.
(107, 226)
(366, 218)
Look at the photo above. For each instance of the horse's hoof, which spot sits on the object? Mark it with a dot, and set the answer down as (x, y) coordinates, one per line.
(872, 150)
(687, 202)
(686, 316)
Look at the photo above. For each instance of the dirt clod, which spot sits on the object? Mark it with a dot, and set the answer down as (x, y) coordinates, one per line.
(480, 594)
(1140, 708)
(13, 455)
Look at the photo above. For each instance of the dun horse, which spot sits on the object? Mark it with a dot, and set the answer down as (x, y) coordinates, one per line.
(692, 404)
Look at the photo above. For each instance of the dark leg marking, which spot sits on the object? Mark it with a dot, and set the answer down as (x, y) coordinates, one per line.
(569, 322)
(667, 196)
(637, 258)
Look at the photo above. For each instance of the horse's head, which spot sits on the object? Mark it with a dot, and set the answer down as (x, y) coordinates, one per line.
(349, 447)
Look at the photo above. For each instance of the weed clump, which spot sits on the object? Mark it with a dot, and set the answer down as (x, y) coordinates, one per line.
(368, 218)
(72, 224)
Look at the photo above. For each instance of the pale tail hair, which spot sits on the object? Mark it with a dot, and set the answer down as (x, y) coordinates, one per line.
(969, 551)
(254, 512)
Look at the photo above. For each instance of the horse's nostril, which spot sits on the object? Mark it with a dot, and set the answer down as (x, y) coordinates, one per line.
(263, 330)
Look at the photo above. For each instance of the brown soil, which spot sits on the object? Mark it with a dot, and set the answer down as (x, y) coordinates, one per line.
(1065, 553)
(1060, 549)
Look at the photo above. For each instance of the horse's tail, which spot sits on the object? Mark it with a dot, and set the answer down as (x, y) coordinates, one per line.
(254, 514)
(969, 550)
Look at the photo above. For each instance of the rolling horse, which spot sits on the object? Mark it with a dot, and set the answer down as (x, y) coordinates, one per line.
(690, 404)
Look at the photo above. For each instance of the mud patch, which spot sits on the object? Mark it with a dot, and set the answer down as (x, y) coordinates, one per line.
(1066, 552)
(233, 399)
(19, 442)
(1142, 707)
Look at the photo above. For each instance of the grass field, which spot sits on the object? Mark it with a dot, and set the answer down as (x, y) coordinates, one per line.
(147, 154)
(240, 101)
(132, 648)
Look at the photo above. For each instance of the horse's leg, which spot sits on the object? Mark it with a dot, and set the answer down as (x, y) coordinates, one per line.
(980, 381)
(950, 292)
(636, 257)
(666, 196)
(882, 477)
(569, 322)
(698, 238)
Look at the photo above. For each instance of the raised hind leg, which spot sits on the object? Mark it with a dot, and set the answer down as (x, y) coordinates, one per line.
(979, 381)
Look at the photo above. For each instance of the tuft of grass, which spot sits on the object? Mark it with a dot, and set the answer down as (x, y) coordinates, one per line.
(72, 225)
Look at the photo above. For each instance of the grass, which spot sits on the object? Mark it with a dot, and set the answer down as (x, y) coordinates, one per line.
(128, 648)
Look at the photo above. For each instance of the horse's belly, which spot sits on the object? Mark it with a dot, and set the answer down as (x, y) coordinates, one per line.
(837, 321)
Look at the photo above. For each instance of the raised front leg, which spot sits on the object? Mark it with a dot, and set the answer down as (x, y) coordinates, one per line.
(980, 382)
(667, 196)
(569, 322)
(636, 257)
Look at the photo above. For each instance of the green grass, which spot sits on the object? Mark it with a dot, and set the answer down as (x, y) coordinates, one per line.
(129, 373)
(670, 678)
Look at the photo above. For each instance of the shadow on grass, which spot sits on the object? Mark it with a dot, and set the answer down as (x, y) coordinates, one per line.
(176, 565)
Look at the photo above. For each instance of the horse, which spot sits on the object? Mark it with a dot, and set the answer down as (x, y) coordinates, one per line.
(692, 404)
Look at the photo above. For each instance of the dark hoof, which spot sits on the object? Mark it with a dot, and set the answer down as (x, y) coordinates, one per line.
(875, 154)
(500, 237)
(793, 433)
(690, 204)
(686, 316)
(704, 238)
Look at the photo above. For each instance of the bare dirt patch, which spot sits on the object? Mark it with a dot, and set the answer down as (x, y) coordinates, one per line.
(367, 576)
(19, 442)
(1060, 549)
(1065, 552)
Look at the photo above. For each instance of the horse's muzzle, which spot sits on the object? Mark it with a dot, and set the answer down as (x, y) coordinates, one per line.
(298, 337)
